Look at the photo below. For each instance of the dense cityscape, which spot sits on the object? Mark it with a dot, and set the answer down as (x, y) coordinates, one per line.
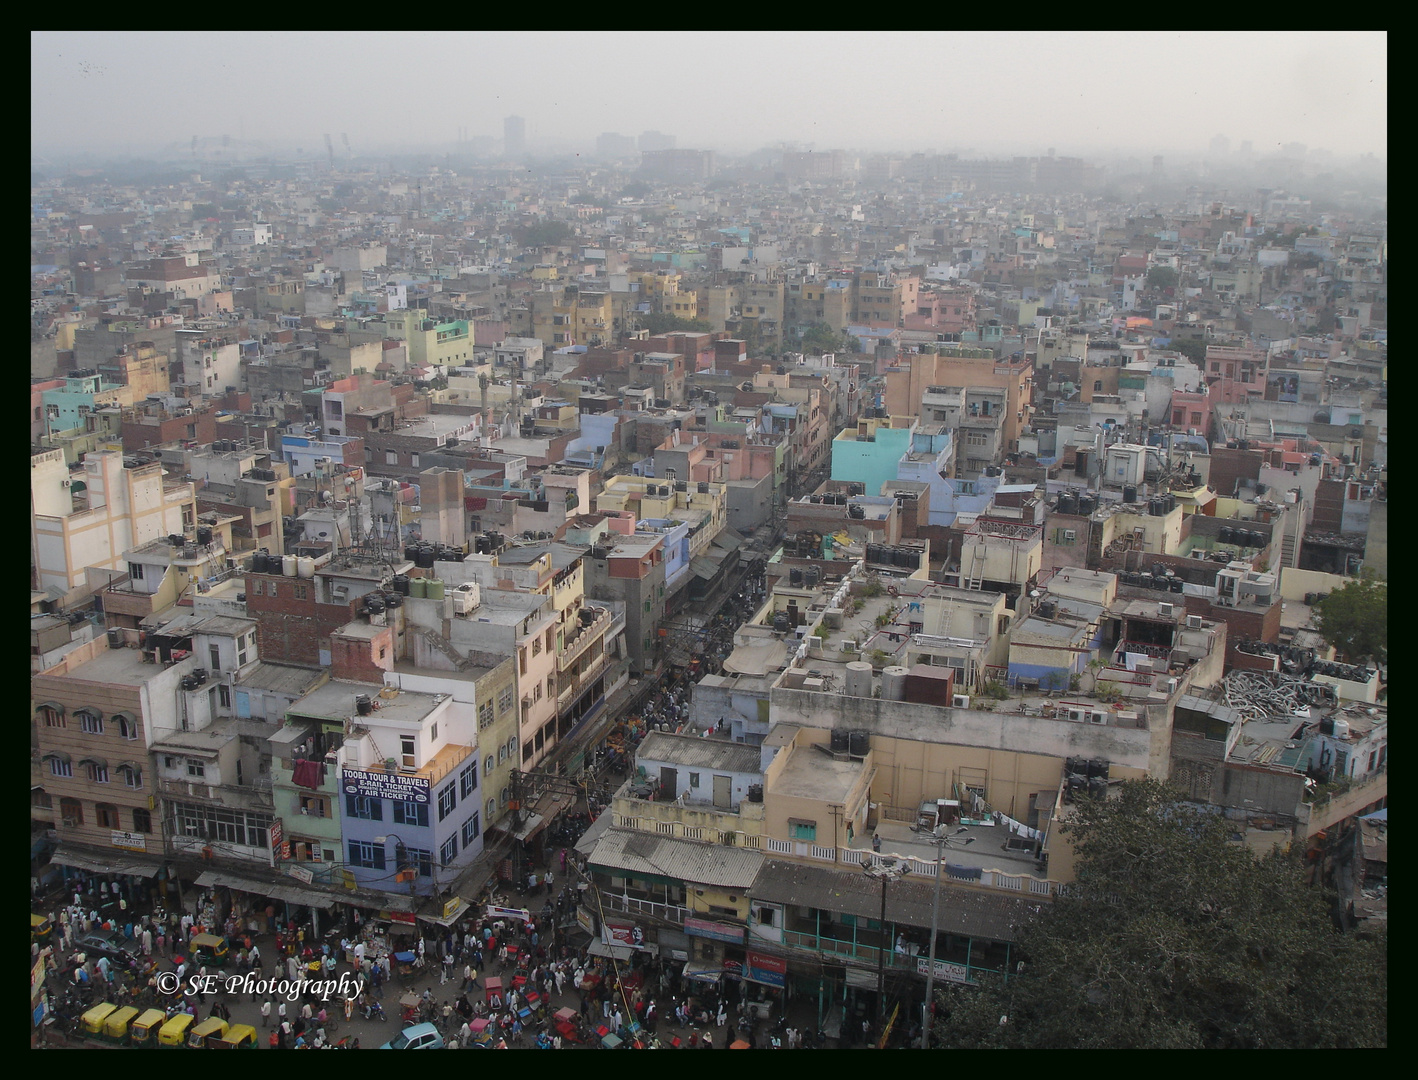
(861, 599)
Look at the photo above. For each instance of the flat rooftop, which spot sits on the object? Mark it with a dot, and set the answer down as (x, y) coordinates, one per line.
(811, 774)
(337, 699)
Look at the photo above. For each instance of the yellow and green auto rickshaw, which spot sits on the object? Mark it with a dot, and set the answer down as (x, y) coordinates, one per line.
(93, 1020)
(116, 1025)
(40, 929)
(238, 1037)
(173, 1034)
(203, 1035)
(210, 949)
(144, 1030)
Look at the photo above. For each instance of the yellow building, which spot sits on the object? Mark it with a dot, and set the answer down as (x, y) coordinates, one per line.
(429, 342)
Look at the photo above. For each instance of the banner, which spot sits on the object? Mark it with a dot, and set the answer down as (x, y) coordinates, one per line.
(627, 935)
(765, 969)
(715, 931)
(949, 972)
(384, 785)
(495, 912)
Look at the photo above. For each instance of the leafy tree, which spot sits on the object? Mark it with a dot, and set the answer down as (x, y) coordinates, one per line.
(820, 338)
(546, 234)
(660, 323)
(1162, 277)
(1192, 348)
(1354, 619)
(1173, 936)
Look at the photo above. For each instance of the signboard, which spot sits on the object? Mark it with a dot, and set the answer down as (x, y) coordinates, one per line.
(384, 785)
(949, 972)
(715, 931)
(584, 920)
(300, 873)
(129, 841)
(37, 978)
(278, 832)
(406, 917)
(495, 912)
(627, 935)
(450, 907)
(765, 969)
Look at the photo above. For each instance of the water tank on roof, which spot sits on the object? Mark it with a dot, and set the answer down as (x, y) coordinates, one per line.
(364, 705)
(258, 563)
(704, 487)
(856, 511)
(781, 623)
(795, 577)
(418, 587)
(289, 566)
(393, 600)
(435, 589)
(411, 552)
(893, 683)
(873, 553)
(401, 584)
(305, 566)
(1087, 503)
(1144, 580)
(811, 577)
(374, 603)
(1097, 767)
(839, 740)
(204, 534)
(859, 674)
(1129, 493)
(1176, 584)
(1068, 503)
(859, 744)
(1226, 535)
(424, 558)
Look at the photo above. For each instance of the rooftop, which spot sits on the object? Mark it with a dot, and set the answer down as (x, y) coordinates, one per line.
(336, 699)
(694, 752)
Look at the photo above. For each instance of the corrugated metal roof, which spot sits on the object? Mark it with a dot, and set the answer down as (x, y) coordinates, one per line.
(684, 860)
(694, 752)
(972, 912)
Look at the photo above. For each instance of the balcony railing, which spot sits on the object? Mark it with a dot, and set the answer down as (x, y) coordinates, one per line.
(631, 905)
(584, 636)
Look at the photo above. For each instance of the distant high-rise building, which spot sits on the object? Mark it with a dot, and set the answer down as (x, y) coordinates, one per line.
(656, 140)
(514, 135)
(611, 145)
(678, 166)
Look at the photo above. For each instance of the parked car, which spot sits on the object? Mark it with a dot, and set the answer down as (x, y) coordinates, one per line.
(104, 945)
(416, 1037)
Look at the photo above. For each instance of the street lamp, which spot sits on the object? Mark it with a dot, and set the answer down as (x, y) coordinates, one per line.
(884, 871)
(401, 857)
(941, 841)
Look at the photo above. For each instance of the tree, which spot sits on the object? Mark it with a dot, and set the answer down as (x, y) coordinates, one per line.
(1174, 936)
(1162, 277)
(820, 338)
(660, 323)
(1192, 348)
(1354, 619)
(546, 234)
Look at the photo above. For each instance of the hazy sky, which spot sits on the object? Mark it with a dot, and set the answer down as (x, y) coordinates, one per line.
(1081, 93)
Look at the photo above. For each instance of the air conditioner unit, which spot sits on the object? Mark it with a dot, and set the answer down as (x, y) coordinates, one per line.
(960, 701)
(1097, 718)
(1165, 610)
(1193, 622)
(1069, 535)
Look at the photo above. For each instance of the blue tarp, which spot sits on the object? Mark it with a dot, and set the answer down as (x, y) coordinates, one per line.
(1377, 815)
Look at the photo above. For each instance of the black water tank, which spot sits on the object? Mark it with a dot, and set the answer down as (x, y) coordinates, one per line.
(411, 552)
(204, 534)
(840, 741)
(1144, 580)
(424, 558)
(374, 603)
(781, 623)
(1087, 503)
(812, 577)
(859, 744)
(1068, 503)
(364, 705)
(401, 584)
(258, 563)
(1129, 493)
(755, 793)
(1226, 535)
(1176, 584)
(1097, 767)
(795, 577)
(393, 600)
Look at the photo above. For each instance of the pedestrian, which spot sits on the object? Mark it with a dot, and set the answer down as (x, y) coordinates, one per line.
(875, 842)
(266, 1014)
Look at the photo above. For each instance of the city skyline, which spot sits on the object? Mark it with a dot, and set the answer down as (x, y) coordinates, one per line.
(975, 93)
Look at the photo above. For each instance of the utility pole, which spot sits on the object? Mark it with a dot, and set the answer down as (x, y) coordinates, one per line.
(941, 840)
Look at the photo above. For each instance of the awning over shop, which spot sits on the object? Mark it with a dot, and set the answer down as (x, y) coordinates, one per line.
(303, 897)
(530, 827)
(615, 952)
(97, 863)
(447, 920)
(864, 979)
(701, 972)
(289, 894)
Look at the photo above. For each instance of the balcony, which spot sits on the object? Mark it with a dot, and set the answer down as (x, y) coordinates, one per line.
(257, 795)
(631, 905)
(584, 634)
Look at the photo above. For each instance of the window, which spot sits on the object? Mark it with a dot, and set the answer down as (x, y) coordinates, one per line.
(803, 830)
(390, 457)
(433, 729)
(406, 748)
(528, 750)
(447, 800)
(364, 808)
(512, 746)
(471, 828)
(258, 587)
(106, 815)
(485, 715)
(301, 592)
(315, 806)
(142, 821)
(274, 589)
(448, 852)
(505, 698)
(419, 859)
(52, 714)
(537, 692)
(468, 781)
(551, 686)
(60, 767)
(215, 655)
(491, 809)
(551, 630)
(369, 856)
(522, 653)
(504, 795)
(414, 460)
(408, 812)
(224, 695)
(91, 720)
(132, 775)
(71, 813)
(694, 779)
(487, 767)
(536, 646)
(196, 768)
(98, 774)
(135, 571)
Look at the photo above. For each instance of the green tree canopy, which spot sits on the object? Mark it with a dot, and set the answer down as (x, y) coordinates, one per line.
(820, 338)
(1162, 277)
(659, 323)
(1354, 619)
(546, 234)
(1192, 348)
(1173, 936)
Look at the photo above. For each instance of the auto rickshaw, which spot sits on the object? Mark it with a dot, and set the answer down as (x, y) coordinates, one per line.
(93, 1020)
(144, 1030)
(205, 1034)
(238, 1037)
(116, 1025)
(173, 1034)
(482, 1034)
(210, 949)
(40, 929)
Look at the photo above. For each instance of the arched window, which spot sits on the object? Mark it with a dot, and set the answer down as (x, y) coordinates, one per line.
(59, 763)
(127, 724)
(491, 809)
(106, 815)
(90, 719)
(71, 813)
(51, 713)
